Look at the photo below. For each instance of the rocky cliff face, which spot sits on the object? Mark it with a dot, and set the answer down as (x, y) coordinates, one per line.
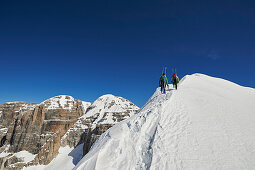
(35, 128)
(32, 134)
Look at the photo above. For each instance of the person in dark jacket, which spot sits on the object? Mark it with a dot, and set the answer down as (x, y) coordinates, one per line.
(175, 80)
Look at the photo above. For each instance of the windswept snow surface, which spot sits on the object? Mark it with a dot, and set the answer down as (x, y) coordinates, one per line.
(208, 123)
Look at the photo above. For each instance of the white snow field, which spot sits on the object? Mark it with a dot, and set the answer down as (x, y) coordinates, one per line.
(207, 124)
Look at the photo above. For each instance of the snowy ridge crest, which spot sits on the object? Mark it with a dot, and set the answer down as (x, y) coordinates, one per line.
(208, 123)
(59, 102)
(141, 136)
(19, 107)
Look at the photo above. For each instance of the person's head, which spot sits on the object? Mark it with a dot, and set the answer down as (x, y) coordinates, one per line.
(164, 74)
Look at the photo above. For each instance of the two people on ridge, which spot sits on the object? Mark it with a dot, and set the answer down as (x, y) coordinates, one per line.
(163, 82)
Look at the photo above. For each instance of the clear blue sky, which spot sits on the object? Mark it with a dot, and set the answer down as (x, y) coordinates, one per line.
(90, 48)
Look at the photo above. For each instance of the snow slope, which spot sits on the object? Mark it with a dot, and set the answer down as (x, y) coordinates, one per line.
(65, 160)
(208, 123)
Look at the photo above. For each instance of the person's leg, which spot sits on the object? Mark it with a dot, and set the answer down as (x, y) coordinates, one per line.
(161, 86)
(175, 84)
(164, 86)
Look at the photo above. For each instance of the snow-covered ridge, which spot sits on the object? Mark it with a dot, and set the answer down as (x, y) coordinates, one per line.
(20, 106)
(15, 102)
(64, 102)
(220, 82)
(208, 123)
(59, 102)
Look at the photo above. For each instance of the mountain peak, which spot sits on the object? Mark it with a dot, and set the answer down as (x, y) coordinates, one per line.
(108, 96)
(59, 102)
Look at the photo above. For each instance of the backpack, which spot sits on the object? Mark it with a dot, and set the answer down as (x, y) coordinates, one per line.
(174, 76)
(162, 78)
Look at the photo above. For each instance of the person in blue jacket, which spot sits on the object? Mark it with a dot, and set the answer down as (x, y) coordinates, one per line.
(163, 82)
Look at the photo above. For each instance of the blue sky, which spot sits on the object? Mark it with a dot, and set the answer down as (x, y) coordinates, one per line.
(90, 48)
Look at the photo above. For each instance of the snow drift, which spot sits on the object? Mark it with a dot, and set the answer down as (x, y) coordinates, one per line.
(208, 123)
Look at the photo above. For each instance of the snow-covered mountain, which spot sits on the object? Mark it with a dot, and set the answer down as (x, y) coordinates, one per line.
(208, 123)
(31, 133)
(99, 116)
(55, 132)
(102, 114)
(63, 102)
